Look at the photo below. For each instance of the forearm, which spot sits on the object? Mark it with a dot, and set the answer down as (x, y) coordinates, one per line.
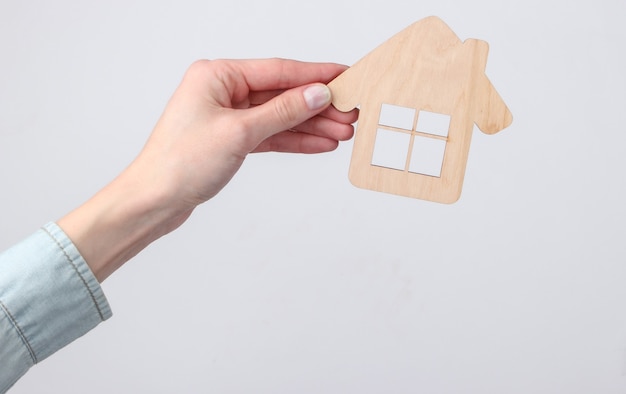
(122, 219)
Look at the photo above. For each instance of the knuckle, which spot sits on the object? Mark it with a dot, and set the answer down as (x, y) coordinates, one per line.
(199, 66)
(204, 67)
(286, 109)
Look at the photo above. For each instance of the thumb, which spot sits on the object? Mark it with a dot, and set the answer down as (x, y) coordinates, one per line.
(289, 109)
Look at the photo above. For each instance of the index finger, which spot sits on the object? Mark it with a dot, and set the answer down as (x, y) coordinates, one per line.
(275, 74)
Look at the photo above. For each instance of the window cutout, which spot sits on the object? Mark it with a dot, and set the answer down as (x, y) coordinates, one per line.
(391, 149)
(398, 117)
(433, 123)
(427, 156)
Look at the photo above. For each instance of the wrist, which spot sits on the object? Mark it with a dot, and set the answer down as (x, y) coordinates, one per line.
(121, 220)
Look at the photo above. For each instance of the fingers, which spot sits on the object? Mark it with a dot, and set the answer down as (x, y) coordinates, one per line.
(325, 127)
(291, 142)
(316, 135)
(273, 95)
(273, 74)
(289, 109)
(259, 98)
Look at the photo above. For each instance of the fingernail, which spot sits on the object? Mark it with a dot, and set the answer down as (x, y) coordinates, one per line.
(316, 96)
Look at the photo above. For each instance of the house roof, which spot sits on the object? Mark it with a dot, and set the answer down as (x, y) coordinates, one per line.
(422, 62)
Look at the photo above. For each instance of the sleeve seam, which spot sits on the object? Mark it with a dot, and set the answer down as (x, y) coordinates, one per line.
(20, 333)
(71, 262)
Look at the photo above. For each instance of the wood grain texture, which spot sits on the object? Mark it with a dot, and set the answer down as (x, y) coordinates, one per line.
(425, 67)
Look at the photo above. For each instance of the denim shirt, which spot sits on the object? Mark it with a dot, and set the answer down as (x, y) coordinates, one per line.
(48, 298)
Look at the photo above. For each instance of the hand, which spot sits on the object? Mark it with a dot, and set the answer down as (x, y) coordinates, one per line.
(221, 112)
(224, 110)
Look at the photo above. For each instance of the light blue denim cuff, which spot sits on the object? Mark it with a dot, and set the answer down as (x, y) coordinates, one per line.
(48, 298)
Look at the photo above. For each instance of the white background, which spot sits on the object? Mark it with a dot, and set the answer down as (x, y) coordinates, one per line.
(292, 280)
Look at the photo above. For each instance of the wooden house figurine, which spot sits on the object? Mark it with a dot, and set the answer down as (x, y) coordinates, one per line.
(420, 93)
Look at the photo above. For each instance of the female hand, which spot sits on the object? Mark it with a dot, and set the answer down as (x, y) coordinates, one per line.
(222, 111)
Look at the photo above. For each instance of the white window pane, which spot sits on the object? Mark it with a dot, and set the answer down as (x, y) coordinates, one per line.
(395, 116)
(427, 156)
(433, 123)
(391, 149)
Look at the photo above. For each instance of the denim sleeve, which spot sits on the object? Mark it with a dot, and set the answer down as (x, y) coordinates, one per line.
(48, 298)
